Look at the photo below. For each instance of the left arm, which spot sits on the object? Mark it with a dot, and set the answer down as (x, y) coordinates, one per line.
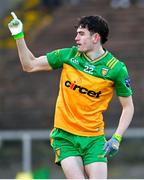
(126, 115)
(124, 92)
(111, 147)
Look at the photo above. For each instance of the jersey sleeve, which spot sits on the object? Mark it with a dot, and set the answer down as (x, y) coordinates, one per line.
(58, 57)
(122, 83)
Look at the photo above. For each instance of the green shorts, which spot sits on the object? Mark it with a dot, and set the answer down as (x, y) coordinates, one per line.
(65, 144)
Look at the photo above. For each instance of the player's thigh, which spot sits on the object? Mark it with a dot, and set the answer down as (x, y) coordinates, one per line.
(73, 167)
(96, 170)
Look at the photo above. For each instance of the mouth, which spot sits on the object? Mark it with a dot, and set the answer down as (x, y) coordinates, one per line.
(78, 45)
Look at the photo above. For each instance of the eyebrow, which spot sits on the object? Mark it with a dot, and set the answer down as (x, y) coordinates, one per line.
(79, 30)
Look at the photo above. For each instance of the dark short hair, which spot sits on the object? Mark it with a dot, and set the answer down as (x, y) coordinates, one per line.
(95, 24)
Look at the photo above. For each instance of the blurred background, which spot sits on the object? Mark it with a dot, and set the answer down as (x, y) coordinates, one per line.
(27, 101)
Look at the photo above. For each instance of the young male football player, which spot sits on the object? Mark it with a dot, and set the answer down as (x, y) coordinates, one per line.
(90, 74)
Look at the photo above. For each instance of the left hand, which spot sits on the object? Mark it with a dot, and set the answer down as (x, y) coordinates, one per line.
(111, 147)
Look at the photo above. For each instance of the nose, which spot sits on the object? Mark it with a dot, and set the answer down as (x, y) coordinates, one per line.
(76, 38)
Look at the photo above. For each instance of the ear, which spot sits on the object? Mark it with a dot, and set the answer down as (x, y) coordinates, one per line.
(96, 37)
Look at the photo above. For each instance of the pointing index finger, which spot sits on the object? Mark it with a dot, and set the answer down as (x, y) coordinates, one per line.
(14, 15)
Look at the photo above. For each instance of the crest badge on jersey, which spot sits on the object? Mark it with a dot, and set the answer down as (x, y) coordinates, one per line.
(127, 82)
(104, 71)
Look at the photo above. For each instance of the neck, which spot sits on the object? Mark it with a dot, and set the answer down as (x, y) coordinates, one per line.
(95, 54)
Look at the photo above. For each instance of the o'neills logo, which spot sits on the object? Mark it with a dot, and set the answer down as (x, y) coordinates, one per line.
(82, 90)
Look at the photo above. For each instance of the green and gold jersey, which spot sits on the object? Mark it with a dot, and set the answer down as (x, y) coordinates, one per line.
(86, 88)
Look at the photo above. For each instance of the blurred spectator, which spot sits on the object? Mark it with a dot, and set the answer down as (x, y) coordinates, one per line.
(140, 3)
(126, 3)
(74, 2)
(120, 4)
(46, 4)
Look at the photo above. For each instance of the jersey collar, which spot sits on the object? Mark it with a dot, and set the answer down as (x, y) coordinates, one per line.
(97, 59)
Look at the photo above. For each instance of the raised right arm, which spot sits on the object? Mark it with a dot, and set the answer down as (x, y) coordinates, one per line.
(29, 62)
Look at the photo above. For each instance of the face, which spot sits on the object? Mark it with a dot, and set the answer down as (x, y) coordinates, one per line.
(84, 40)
